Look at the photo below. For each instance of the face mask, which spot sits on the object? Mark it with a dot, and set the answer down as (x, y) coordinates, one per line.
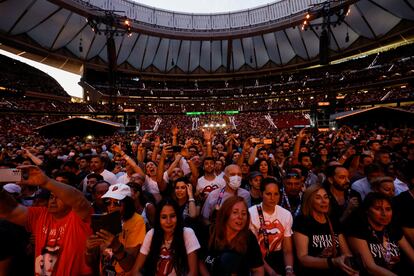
(234, 182)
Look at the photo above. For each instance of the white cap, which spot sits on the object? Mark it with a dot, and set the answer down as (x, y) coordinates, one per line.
(118, 191)
(12, 188)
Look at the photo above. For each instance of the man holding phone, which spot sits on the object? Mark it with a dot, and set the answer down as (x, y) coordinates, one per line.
(60, 229)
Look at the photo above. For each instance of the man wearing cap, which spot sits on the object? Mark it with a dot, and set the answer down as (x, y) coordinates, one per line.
(60, 229)
(255, 192)
(13, 189)
(116, 254)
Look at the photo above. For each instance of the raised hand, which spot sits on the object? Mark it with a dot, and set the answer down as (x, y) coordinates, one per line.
(174, 130)
(33, 175)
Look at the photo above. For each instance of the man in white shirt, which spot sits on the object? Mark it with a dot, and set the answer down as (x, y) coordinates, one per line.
(209, 182)
(97, 165)
(363, 185)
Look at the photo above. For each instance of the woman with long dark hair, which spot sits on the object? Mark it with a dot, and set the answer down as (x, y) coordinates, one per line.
(168, 248)
(233, 248)
(375, 239)
(183, 195)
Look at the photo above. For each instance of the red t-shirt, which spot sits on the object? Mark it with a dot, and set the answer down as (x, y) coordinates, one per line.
(60, 244)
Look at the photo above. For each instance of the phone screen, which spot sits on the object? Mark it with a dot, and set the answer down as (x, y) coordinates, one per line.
(110, 222)
(176, 148)
(10, 175)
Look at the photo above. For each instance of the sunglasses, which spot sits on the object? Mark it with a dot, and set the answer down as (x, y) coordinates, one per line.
(292, 175)
(116, 203)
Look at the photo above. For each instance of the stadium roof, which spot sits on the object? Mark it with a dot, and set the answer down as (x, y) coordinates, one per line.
(166, 43)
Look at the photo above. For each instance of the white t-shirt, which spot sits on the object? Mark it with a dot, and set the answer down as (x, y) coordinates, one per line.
(164, 263)
(183, 165)
(150, 185)
(278, 226)
(123, 179)
(206, 186)
(109, 176)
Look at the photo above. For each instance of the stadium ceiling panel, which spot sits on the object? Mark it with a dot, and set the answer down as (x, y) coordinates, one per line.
(268, 37)
(216, 55)
(184, 56)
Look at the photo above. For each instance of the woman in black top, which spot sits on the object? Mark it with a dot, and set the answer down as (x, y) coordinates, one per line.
(374, 239)
(317, 251)
(233, 248)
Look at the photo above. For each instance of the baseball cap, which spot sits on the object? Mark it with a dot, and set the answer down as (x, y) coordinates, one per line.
(253, 174)
(12, 188)
(118, 191)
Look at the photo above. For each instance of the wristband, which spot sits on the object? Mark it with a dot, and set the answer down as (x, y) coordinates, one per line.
(191, 200)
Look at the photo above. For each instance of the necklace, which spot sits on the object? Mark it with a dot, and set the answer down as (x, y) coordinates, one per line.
(386, 244)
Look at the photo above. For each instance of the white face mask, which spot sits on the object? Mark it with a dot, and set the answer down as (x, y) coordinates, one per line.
(235, 182)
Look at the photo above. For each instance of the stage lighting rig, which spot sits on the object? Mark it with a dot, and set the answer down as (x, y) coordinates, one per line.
(330, 16)
(110, 24)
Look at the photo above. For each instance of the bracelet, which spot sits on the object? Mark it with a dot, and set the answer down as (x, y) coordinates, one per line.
(288, 268)
(330, 262)
(191, 200)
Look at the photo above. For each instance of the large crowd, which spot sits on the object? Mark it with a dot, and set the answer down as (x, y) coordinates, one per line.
(252, 193)
(251, 201)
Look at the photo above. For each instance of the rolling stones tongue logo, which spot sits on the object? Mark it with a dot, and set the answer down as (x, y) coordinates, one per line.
(208, 189)
(165, 265)
(275, 232)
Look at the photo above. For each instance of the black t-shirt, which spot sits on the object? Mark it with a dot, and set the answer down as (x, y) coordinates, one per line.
(403, 206)
(319, 234)
(320, 240)
(229, 262)
(383, 245)
(336, 210)
(255, 200)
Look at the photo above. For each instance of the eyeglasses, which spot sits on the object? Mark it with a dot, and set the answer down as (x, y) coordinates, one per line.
(116, 203)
